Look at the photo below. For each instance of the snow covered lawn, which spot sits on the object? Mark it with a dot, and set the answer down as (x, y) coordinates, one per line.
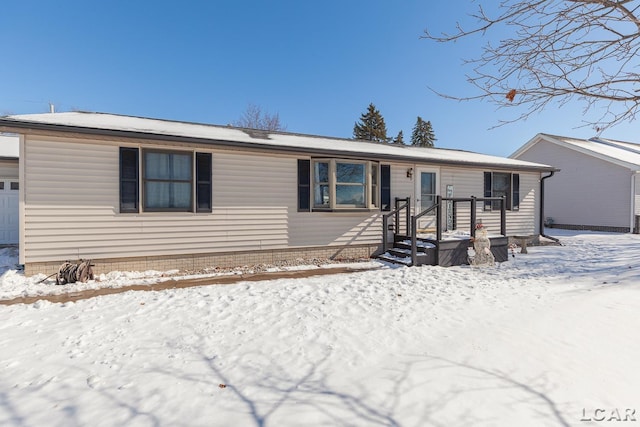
(548, 338)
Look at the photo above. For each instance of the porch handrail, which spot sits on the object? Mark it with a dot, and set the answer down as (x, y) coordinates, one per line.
(396, 212)
(414, 228)
(438, 208)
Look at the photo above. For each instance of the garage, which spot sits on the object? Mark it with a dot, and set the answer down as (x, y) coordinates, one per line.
(9, 190)
(9, 216)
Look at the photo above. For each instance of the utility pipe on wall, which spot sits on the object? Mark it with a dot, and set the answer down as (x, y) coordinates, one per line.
(541, 223)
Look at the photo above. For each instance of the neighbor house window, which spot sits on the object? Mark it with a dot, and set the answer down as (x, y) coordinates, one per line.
(345, 184)
(171, 181)
(502, 184)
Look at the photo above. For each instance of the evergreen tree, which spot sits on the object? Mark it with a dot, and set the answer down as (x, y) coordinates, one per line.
(399, 139)
(423, 135)
(371, 126)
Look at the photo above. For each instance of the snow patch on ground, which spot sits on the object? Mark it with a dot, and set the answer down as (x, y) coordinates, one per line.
(544, 339)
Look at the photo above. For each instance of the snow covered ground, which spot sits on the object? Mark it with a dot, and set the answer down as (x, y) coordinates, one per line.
(545, 339)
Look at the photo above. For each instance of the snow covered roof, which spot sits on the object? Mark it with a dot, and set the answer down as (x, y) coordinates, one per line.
(110, 124)
(9, 146)
(625, 154)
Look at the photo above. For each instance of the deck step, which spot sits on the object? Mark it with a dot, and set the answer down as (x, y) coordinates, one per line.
(402, 256)
(388, 257)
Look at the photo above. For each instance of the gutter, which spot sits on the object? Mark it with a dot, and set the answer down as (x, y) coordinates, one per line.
(541, 224)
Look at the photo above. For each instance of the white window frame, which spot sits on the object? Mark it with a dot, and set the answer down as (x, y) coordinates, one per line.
(371, 187)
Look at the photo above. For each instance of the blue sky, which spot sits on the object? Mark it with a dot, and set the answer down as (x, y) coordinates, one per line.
(317, 64)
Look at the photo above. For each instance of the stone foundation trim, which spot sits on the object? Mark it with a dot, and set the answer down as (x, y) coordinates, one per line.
(592, 228)
(197, 262)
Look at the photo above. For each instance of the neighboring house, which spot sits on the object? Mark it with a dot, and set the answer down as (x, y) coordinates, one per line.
(9, 188)
(138, 193)
(598, 186)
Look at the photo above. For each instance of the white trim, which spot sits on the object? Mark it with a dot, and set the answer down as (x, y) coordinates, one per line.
(22, 173)
(584, 150)
(333, 183)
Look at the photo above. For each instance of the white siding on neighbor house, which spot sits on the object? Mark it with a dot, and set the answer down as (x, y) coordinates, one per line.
(72, 203)
(586, 191)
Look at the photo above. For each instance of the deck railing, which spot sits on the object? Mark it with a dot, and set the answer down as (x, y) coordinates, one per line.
(400, 205)
(438, 209)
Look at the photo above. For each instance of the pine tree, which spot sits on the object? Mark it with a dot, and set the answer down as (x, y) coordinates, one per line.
(371, 126)
(423, 135)
(399, 139)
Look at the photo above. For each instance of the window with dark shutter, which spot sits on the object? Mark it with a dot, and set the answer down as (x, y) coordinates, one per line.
(203, 182)
(304, 185)
(502, 184)
(129, 180)
(385, 187)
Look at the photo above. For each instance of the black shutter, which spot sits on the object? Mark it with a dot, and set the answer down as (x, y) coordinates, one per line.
(385, 187)
(203, 182)
(515, 188)
(304, 185)
(129, 180)
(487, 190)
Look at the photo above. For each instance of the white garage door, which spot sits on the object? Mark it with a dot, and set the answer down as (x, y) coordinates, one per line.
(9, 217)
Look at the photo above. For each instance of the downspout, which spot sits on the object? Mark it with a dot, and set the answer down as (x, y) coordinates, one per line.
(633, 201)
(541, 224)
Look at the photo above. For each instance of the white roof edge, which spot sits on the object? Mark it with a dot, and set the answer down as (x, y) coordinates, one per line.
(528, 145)
(558, 140)
(106, 122)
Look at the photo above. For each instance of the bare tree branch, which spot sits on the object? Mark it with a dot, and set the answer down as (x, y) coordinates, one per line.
(558, 50)
(255, 118)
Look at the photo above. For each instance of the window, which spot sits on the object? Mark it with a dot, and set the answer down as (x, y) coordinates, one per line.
(15, 185)
(344, 184)
(502, 184)
(167, 182)
(321, 185)
(350, 185)
(171, 181)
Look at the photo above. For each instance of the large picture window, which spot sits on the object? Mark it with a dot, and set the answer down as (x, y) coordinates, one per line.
(345, 184)
(171, 181)
(502, 184)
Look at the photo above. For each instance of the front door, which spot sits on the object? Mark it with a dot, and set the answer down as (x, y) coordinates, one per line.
(426, 192)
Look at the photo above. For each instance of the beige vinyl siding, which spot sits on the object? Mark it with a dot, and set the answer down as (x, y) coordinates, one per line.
(470, 182)
(587, 191)
(72, 201)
